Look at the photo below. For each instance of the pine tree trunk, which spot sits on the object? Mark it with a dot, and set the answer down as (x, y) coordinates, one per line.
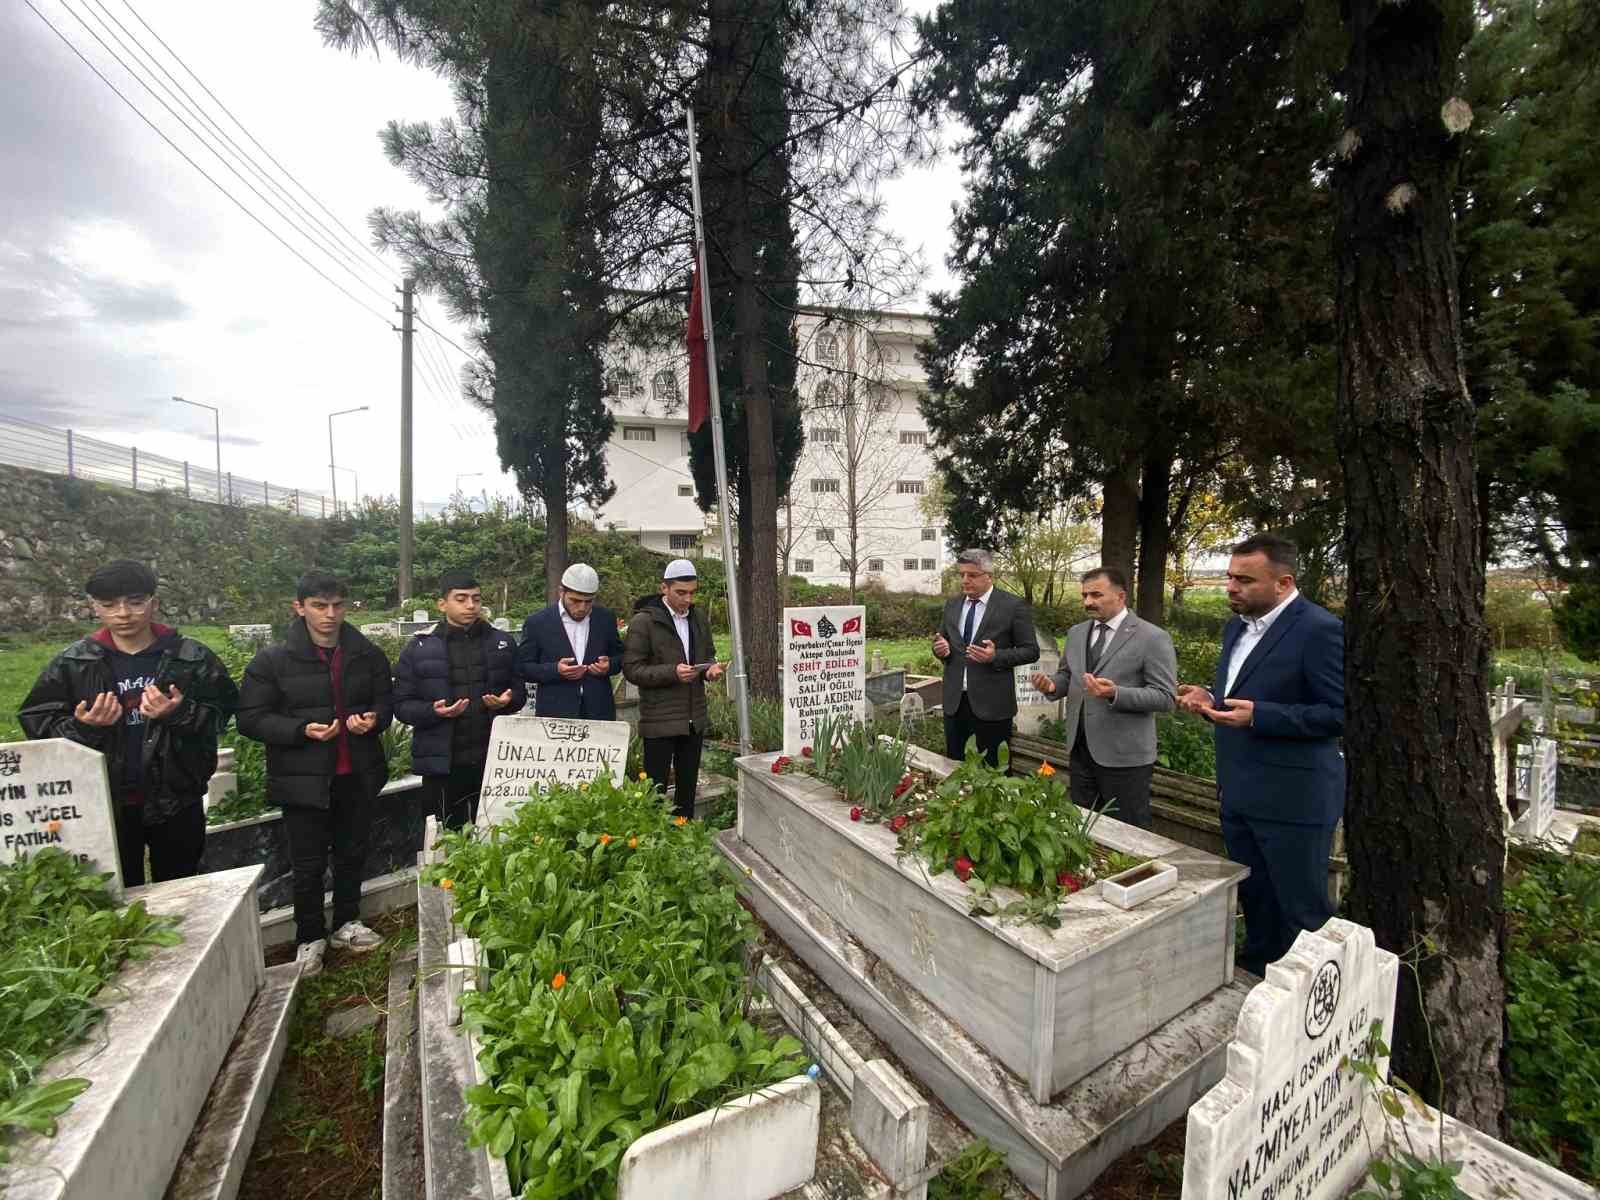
(556, 525)
(1155, 534)
(1424, 832)
(1119, 520)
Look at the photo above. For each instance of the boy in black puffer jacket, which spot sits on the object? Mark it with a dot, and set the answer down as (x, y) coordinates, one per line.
(320, 701)
(153, 702)
(449, 685)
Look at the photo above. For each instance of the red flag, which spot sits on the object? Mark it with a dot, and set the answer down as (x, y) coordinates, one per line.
(699, 382)
(799, 628)
(850, 626)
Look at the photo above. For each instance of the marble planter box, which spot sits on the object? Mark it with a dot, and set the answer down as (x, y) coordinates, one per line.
(1144, 882)
(170, 1019)
(1050, 1005)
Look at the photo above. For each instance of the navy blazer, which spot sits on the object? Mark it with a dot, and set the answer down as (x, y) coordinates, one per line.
(544, 644)
(1286, 766)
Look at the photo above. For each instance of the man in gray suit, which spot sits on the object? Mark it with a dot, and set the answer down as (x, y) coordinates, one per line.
(1118, 672)
(985, 635)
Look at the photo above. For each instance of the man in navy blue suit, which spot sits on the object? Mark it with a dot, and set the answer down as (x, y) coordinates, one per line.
(1278, 707)
(571, 650)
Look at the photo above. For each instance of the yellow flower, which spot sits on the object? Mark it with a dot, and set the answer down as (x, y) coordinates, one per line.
(447, 884)
(633, 843)
(605, 839)
(583, 787)
(643, 775)
(680, 820)
(1046, 769)
(559, 982)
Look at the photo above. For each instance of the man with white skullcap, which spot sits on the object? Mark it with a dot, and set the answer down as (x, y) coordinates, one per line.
(669, 657)
(571, 650)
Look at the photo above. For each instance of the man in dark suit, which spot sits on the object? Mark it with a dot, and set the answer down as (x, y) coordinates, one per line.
(1278, 706)
(1118, 672)
(571, 650)
(985, 634)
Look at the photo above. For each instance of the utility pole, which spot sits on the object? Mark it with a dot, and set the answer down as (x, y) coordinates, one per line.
(333, 470)
(407, 300)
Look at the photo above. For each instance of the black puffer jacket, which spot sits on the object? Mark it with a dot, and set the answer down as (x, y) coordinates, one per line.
(423, 675)
(287, 687)
(180, 751)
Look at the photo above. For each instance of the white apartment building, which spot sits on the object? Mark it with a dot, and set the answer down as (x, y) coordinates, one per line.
(859, 488)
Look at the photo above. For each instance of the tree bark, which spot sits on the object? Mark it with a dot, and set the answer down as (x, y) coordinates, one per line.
(1155, 533)
(1424, 831)
(557, 526)
(1119, 519)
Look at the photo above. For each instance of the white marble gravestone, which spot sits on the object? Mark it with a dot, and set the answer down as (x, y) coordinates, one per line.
(55, 793)
(824, 669)
(527, 753)
(250, 635)
(1286, 1120)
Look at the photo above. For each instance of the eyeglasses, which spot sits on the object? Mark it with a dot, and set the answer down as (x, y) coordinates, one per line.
(134, 604)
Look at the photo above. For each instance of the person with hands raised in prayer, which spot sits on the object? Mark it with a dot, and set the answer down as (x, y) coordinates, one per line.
(450, 683)
(320, 701)
(571, 650)
(986, 633)
(1117, 672)
(1277, 704)
(153, 702)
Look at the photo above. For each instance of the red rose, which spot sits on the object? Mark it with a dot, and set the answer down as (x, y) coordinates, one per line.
(805, 751)
(783, 761)
(1069, 881)
(898, 823)
(855, 814)
(963, 868)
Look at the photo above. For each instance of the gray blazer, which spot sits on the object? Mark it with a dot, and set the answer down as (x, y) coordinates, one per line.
(991, 686)
(1142, 663)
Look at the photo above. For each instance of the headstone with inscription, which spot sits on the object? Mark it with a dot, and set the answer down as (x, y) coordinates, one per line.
(532, 753)
(1049, 663)
(55, 793)
(250, 635)
(824, 669)
(381, 629)
(1286, 1120)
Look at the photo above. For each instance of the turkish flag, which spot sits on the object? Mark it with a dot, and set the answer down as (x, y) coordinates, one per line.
(699, 381)
(853, 625)
(799, 629)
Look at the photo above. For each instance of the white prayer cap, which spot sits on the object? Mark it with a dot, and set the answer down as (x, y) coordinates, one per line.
(679, 568)
(581, 577)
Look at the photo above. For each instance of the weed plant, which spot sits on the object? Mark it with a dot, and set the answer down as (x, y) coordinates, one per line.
(65, 938)
(618, 995)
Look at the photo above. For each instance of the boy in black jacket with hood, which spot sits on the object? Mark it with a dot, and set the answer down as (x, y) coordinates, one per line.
(320, 701)
(153, 702)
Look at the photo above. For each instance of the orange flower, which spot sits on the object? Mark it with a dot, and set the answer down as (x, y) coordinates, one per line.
(559, 982)
(605, 839)
(447, 884)
(680, 820)
(53, 827)
(633, 843)
(642, 775)
(1046, 769)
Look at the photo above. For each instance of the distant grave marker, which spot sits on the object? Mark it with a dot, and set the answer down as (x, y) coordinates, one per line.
(55, 793)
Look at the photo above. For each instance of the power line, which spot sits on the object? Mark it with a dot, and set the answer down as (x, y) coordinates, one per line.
(203, 172)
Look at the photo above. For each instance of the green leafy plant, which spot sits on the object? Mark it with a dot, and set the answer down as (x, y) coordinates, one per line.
(65, 938)
(869, 768)
(1399, 1169)
(618, 995)
(977, 1173)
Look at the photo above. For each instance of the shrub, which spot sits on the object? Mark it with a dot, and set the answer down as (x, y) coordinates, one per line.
(1578, 619)
(1185, 743)
(1521, 619)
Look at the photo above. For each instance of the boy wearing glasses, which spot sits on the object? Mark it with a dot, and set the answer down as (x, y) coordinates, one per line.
(153, 702)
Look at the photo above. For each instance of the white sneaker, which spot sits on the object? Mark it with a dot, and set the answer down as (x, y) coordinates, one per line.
(309, 956)
(355, 937)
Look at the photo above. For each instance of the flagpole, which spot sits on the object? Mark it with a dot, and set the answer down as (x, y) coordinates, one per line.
(741, 681)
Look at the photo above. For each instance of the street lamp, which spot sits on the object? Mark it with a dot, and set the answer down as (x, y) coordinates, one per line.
(332, 469)
(467, 475)
(216, 420)
(355, 481)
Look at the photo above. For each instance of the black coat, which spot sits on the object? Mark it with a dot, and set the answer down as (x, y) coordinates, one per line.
(545, 644)
(423, 675)
(287, 686)
(180, 751)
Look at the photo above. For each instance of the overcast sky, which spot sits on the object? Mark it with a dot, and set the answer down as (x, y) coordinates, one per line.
(126, 278)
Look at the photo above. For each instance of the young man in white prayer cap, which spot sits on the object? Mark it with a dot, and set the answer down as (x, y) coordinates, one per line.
(669, 658)
(571, 650)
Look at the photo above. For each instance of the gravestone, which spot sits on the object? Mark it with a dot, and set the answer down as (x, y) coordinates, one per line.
(503, 624)
(419, 614)
(250, 635)
(381, 629)
(1286, 1120)
(1049, 663)
(886, 687)
(55, 793)
(535, 752)
(824, 669)
(911, 707)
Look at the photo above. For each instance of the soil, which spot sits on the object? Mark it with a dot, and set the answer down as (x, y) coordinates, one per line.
(322, 1135)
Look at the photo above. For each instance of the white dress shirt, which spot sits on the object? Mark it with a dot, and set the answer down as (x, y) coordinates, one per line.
(981, 604)
(1254, 630)
(577, 634)
(682, 624)
(1111, 627)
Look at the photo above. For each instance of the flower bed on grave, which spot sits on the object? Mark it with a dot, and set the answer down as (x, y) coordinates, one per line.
(1051, 1004)
(616, 996)
(65, 939)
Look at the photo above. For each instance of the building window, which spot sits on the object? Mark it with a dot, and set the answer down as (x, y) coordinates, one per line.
(929, 564)
(804, 566)
(930, 535)
(909, 487)
(824, 485)
(638, 433)
(913, 437)
(825, 433)
(826, 396)
(824, 534)
(664, 385)
(844, 564)
(686, 489)
(879, 400)
(888, 354)
(908, 564)
(683, 541)
(827, 347)
(623, 384)
(874, 564)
